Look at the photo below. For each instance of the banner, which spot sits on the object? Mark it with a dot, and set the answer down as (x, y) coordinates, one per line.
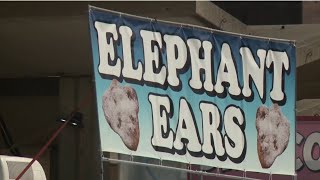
(191, 95)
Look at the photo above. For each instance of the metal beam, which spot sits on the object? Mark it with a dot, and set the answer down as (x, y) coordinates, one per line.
(175, 169)
(220, 18)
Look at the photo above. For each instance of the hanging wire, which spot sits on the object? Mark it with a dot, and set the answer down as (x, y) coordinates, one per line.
(218, 170)
(131, 157)
(244, 173)
(308, 56)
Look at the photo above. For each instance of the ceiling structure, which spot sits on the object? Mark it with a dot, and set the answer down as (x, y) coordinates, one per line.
(48, 38)
(52, 38)
(254, 13)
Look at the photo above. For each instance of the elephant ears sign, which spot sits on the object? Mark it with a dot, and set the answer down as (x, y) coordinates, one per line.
(193, 95)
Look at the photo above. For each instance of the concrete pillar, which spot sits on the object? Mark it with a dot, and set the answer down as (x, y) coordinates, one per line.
(89, 138)
(66, 142)
(78, 156)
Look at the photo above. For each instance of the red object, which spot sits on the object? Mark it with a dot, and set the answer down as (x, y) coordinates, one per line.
(44, 147)
(56, 133)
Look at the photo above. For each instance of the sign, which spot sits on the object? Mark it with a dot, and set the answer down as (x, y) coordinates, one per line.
(191, 95)
(308, 147)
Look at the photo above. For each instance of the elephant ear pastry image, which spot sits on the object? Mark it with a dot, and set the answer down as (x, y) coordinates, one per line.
(121, 108)
(273, 134)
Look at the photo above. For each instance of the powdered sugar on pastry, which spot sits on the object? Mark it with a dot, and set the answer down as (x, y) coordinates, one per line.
(121, 107)
(273, 134)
